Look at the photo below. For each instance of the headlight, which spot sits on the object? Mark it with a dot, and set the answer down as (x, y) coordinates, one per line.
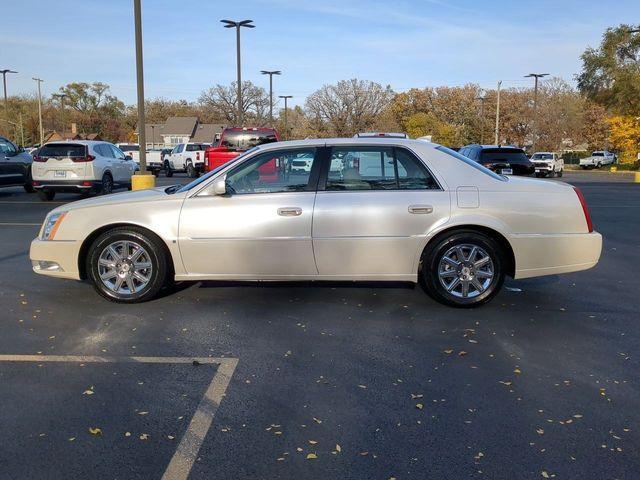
(51, 225)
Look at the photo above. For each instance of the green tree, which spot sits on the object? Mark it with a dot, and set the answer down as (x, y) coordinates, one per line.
(611, 73)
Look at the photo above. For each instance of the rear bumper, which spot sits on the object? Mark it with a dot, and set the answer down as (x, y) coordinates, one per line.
(551, 254)
(71, 186)
(55, 258)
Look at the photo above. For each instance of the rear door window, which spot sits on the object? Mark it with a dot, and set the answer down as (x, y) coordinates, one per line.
(62, 150)
(377, 168)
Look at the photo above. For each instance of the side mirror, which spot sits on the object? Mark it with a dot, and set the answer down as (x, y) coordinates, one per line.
(128, 157)
(220, 186)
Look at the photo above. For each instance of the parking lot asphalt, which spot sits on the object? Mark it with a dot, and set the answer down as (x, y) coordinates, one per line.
(349, 381)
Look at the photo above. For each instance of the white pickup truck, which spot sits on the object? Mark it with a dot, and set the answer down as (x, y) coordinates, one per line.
(547, 164)
(185, 157)
(598, 159)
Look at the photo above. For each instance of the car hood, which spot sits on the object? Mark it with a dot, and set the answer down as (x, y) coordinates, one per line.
(139, 196)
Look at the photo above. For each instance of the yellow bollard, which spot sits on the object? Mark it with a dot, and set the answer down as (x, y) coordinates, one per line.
(143, 182)
(637, 177)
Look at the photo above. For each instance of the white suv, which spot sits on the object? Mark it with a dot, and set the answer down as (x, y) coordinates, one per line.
(547, 164)
(81, 167)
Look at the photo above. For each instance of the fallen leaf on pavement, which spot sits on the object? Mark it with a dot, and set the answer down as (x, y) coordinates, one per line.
(95, 431)
(311, 456)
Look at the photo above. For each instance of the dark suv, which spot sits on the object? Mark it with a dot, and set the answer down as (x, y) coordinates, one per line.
(15, 166)
(502, 160)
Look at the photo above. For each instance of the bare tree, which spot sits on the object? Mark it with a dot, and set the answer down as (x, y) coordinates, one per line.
(222, 99)
(347, 107)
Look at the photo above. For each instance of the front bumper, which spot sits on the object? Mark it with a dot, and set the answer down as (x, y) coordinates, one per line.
(55, 258)
(543, 167)
(68, 186)
(551, 254)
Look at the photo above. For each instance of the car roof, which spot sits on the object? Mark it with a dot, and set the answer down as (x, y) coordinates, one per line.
(316, 142)
(77, 142)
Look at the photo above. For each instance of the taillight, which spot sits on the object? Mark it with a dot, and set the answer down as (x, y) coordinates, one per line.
(86, 158)
(39, 159)
(585, 209)
(198, 156)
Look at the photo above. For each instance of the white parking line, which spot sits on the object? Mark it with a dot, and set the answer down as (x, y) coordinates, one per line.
(188, 448)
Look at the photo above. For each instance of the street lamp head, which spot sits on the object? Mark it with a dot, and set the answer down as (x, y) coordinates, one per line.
(285, 96)
(232, 24)
(4, 72)
(539, 75)
(270, 72)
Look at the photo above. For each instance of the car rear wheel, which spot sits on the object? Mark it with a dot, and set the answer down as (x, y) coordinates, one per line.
(465, 269)
(167, 169)
(46, 195)
(127, 265)
(560, 172)
(107, 184)
(191, 170)
(28, 184)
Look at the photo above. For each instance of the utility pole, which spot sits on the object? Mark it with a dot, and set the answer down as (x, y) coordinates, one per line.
(39, 81)
(153, 135)
(142, 141)
(535, 76)
(286, 128)
(271, 73)
(482, 97)
(4, 83)
(497, 137)
(61, 97)
(238, 26)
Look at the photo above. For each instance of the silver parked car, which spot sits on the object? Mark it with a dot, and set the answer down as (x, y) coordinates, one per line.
(360, 209)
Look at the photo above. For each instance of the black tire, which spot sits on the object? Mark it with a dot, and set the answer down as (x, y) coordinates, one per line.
(153, 248)
(191, 170)
(433, 257)
(538, 175)
(46, 195)
(560, 173)
(107, 184)
(28, 185)
(167, 169)
(599, 165)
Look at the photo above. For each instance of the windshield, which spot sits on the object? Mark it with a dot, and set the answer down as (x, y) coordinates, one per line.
(471, 163)
(129, 148)
(511, 155)
(542, 156)
(246, 139)
(598, 154)
(198, 181)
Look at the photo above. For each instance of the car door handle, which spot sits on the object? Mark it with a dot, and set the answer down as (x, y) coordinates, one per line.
(420, 209)
(290, 211)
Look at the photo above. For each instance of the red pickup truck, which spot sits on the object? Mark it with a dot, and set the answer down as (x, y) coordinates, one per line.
(235, 140)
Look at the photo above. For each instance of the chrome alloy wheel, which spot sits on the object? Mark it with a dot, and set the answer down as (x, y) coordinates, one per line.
(125, 267)
(465, 271)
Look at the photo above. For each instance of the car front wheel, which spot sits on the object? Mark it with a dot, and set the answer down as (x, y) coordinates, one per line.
(465, 269)
(127, 265)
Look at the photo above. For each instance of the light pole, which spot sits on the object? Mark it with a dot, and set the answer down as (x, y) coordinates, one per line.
(271, 73)
(482, 97)
(535, 76)
(39, 81)
(238, 26)
(497, 137)
(153, 135)
(142, 140)
(286, 128)
(61, 97)
(4, 83)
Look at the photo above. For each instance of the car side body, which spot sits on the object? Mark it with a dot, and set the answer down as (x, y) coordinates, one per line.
(210, 230)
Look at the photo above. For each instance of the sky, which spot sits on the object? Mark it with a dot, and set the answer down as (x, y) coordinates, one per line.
(405, 44)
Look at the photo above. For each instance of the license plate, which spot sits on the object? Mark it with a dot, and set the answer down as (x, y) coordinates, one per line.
(60, 174)
(541, 169)
(507, 171)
